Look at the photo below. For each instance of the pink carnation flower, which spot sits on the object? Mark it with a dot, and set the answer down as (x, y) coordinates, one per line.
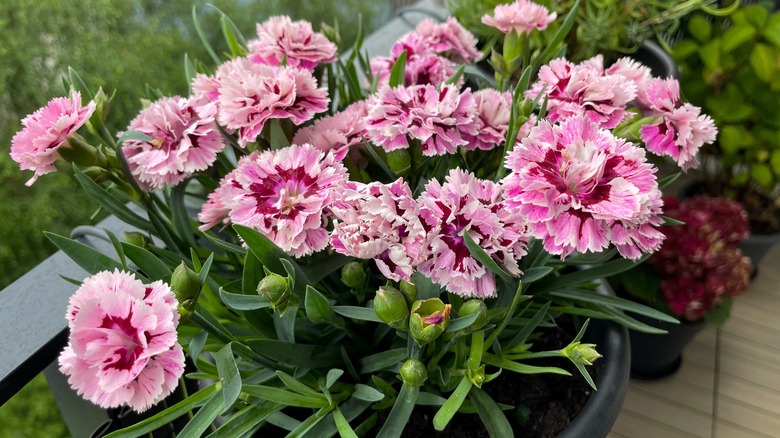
(122, 347)
(379, 221)
(680, 130)
(493, 110)
(439, 119)
(46, 130)
(427, 69)
(283, 194)
(250, 94)
(184, 137)
(213, 210)
(635, 72)
(337, 132)
(584, 89)
(522, 16)
(450, 40)
(465, 204)
(280, 38)
(582, 188)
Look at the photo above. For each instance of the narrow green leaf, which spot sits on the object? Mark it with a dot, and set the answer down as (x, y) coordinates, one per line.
(196, 344)
(397, 77)
(552, 46)
(345, 430)
(117, 244)
(332, 263)
(378, 160)
(384, 359)
(317, 307)
(494, 420)
(284, 324)
(92, 260)
(309, 423)
(461, 323)
(168, 415)
(295, 385)
(230, 37)
(594, 297)
(399, 415)
(202, 36)
(78, 83)
(498, 361)
(478, 253)
(425, 287)
(453, 403)
(204, 417)
(351, 410)
(333, 376)
(110, 203)
(284, 397)
(189, 69)
(148, 263)
(180, 217)
(133, 135)
(228, 375)
(668, 180)
(586, 275)
(359, 313)
(533, 274)
(243, 302)
(277, 138)
(367, 393)
(457, 75)
(245, 421)
(295, 354)
(522, 336)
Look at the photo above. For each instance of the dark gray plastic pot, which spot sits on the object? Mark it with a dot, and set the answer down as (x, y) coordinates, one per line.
(660, 62)
(657, 356)
(757, 245)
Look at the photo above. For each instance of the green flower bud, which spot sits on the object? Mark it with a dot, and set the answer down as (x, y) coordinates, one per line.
(477, 376)
(584, 354)
(330, 33)
(185, 283)
(413, 372)
(409, 290)
(471, 307)
(97, 173)
(429, 319)
(399, 161)
(353, 274)
(137, 239)
(102, 103)
(275, 289)
(390, 306)
(77, 150)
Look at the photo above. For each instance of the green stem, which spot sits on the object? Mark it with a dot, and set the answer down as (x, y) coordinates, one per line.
(453, 403)
(442, 351)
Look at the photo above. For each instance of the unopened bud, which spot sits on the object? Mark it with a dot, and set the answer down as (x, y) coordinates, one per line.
(413, 372)
(185, 283)
(390, 306)
(353, 274)
(584, 354)
(429, 319)
(330, 33)
(274, 288)
(409, 290)
(77, 150)
(471, 307)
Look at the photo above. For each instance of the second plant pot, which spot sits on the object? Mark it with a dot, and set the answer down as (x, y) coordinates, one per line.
(658, 356)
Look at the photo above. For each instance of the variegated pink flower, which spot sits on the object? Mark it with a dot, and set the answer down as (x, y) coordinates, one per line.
(337, 132)
(680, 129)
(522, 16)
(122, 346)
(184, 140)
(426, 69)
(636, 72)
(439, 118)
(582, 188)
(493, 110)
(584, 89)
(465, 204)
(379, 221)
(283, 194)
(294, 42)
(46, 130)
(449, 39)
(250, 94)
(213, 211)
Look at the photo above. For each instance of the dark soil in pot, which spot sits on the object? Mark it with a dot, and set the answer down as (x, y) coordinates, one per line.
(545, 404)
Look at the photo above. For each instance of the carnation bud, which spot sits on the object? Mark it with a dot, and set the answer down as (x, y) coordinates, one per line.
(275, 289)
(390, 306)
(477, 376)
(77, 150)
(102, 103)
(137, 239)
(429, 319)
(413, 372)
(399, 161)
(353, 274)
(97, 174)
(584, 354)
(330, 33)
(409, 290)
(471, 307)
(185, 283)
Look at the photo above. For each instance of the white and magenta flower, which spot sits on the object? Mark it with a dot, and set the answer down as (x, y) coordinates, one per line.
(283, 194)
(577, 89)
(440, 119)
(680, 129)
(636, 72)
(493, 110)
(337, 132)
(295, 42)
(582, 188)
(184, 137)
(449, 39)
(381, 222)
(122, 346)
(46, 130)
(465, 204)
(522, 16)
(421, 68)
(250, 94)
(213, 212)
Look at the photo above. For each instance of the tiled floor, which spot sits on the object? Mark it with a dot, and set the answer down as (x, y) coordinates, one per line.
(729, 383)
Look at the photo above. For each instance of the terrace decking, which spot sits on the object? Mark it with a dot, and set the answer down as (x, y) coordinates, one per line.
(729, 382)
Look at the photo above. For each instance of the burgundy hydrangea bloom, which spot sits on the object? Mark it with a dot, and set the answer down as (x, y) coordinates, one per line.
(439, 118)
(581, 188)
(465, 204)
(680, 129)
(283, 194)
(584, 89)
(700, 262)
(295, 42)
(46, 130)
(184, 140)
(379, 221)
(250, 94)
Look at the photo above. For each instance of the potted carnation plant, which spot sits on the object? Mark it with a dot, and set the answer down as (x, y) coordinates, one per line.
(694, 276)
(730, 70)
(365, 251)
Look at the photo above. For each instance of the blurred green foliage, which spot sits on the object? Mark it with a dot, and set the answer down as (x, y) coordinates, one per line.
(116, 44)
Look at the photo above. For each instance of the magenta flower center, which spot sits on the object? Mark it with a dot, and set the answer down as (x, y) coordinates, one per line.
(284, 192)
(128, 342)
